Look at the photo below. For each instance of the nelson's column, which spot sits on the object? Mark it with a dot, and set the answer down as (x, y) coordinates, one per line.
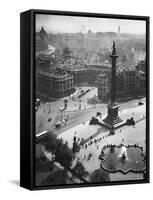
(112, 117)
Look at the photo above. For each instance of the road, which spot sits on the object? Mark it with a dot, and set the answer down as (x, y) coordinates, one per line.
(75, 116)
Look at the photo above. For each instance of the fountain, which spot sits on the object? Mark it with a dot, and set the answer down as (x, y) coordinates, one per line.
(123, 159)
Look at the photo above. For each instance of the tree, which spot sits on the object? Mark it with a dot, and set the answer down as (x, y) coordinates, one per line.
(50, 142)
(63, 154)
(100, 176)
(79, 169)
(60, 149)
(56, 178)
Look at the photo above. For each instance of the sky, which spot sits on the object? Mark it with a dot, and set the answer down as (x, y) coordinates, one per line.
(71, 24)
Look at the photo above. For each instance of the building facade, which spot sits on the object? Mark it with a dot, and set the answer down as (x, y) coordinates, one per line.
(129, 83)
(103, 83)
(141, 83)
(57, 84)
(87, 74)
(141, 66)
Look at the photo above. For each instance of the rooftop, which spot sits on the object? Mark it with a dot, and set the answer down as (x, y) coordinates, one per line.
(58, 73)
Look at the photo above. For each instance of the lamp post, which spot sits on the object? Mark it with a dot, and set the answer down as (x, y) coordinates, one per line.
(61, 110)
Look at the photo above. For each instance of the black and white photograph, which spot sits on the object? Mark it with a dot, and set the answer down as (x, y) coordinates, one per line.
(90, 100)
(76, 100)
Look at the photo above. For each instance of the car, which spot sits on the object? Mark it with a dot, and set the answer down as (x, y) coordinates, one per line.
(57, 126)
(50, 119)
(140, 103)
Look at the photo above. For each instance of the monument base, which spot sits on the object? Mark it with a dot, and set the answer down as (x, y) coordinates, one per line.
(112, 118)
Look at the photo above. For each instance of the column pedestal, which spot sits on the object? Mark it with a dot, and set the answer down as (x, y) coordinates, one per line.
(112, 117)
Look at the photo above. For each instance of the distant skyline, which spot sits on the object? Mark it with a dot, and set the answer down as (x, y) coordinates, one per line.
(71, 24)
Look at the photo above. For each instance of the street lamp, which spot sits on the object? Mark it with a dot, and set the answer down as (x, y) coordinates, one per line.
(62, 110)
(61, 114)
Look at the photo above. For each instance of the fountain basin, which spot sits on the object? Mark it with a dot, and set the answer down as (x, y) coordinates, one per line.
(123, 159)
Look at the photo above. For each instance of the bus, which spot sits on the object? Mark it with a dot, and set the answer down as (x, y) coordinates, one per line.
(41, 136)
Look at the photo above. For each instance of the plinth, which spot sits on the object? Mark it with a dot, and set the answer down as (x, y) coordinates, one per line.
(112, 117)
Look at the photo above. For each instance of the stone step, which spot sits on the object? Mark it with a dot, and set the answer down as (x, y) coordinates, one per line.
(112, 121)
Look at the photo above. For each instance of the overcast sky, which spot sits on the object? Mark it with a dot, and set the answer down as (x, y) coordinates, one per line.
(68, 24)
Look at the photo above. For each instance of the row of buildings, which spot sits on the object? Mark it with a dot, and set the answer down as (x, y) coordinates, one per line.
(60, 82)
(129, 83)
(56, 82)
(87, 74)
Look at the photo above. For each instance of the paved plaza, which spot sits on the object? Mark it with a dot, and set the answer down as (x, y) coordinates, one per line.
(126, 135)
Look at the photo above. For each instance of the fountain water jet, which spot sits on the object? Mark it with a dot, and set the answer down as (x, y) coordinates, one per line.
(123, 155)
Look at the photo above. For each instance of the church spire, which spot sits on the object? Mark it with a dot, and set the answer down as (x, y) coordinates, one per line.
(43, 34)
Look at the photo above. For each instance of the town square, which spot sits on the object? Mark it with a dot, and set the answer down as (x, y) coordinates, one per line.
(90, 108)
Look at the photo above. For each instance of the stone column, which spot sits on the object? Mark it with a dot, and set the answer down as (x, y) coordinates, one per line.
(112, 118)
(113, 56)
